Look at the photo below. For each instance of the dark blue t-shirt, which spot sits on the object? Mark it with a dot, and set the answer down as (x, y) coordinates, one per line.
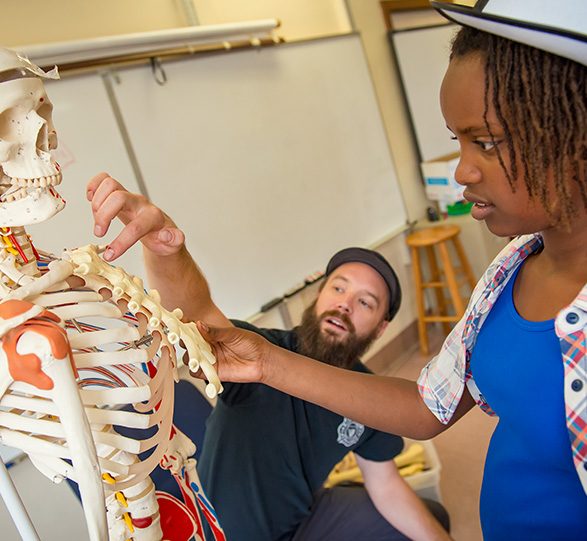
(266, 454)
(531, 490)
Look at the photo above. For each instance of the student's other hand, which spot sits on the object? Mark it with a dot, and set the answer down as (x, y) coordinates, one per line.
(241, 355)
(143, 221)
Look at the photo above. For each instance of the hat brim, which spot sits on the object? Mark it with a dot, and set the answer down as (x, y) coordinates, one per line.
(553, 40)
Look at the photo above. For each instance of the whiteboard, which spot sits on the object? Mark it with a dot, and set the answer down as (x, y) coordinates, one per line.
(89, 143)
(422, 56)
(270, 160)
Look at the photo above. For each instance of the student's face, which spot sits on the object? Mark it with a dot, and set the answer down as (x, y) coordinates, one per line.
(354, 295)
(505, 212)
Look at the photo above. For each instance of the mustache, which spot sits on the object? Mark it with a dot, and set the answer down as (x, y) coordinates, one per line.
(340, 315)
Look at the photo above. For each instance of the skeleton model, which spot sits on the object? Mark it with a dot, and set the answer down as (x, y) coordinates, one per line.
(84, 349)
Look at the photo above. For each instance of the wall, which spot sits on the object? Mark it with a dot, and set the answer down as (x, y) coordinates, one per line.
(39, 21)
(36, 21)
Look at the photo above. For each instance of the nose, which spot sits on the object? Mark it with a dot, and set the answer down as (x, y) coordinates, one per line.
(344, 304)
(467, 171)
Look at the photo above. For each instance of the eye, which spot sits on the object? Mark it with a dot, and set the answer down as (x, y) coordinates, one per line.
(365, 304)
(486, 146)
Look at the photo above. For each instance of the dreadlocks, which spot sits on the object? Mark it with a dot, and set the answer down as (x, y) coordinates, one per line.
(541, 99)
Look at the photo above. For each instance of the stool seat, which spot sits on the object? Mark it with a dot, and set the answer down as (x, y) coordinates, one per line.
(429, 239)
(433, 235)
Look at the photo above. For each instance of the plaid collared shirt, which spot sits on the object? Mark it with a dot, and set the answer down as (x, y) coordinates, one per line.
(443, 380)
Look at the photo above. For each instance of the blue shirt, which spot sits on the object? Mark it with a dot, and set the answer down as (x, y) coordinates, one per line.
(530, 487)
(443, 380)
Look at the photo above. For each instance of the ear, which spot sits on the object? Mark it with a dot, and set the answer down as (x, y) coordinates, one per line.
(382, 326)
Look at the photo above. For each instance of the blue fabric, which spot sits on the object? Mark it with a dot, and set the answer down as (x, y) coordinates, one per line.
(530, 488)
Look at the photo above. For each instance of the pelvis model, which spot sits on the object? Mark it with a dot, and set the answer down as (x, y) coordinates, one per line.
(84, 349)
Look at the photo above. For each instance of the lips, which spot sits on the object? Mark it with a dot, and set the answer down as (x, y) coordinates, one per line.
(481, 207)
(335, 322)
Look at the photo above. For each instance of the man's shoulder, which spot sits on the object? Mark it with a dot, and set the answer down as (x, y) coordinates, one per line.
(280, 337)
(360, 366)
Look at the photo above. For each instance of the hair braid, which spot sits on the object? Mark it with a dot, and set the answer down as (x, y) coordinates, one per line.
(540, 100)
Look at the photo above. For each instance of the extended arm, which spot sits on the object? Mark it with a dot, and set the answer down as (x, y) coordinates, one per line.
(171, 269)
(386, 403)
(398, 503)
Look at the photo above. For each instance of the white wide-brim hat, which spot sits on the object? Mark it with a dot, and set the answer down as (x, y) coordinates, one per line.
(556, 26)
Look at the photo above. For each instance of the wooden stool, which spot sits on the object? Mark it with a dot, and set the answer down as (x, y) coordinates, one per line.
(429, 238)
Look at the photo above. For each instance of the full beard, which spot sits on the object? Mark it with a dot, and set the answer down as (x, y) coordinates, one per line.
(329, 349)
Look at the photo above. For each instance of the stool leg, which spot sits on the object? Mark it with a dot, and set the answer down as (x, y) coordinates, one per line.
(440, 300)
(420, 300)
(464, 262)
(451, 279)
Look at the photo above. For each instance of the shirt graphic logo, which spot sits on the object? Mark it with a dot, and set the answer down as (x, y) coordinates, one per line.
(349, 432)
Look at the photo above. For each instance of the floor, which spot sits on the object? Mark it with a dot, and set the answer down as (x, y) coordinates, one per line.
(461, 451)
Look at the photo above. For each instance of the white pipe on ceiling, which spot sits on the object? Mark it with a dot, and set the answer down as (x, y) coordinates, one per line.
(142, 42)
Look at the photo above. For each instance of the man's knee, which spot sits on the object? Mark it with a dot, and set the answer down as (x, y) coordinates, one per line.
(439, 512)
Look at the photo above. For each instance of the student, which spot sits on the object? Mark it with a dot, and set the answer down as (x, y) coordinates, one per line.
(518, 108)
(266, 454)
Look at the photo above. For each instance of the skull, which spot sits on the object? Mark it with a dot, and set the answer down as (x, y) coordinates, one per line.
(28, 172)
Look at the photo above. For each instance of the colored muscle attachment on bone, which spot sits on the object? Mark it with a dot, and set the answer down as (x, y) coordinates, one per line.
(27, 367)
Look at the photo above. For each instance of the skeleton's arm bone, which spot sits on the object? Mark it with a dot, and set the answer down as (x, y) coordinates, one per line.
(65, 394)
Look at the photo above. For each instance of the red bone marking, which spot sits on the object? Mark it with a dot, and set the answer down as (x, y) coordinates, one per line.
(27, 368)
(142, 522)
(177, 521)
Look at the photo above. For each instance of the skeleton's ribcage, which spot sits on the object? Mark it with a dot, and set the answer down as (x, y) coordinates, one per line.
(125, 360)
(119, 362)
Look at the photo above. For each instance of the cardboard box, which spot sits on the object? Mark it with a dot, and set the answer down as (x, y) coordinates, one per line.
(439, 179)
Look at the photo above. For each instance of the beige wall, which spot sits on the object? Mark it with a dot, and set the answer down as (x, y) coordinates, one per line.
(369, 21)
(40, 21)
(37, 21)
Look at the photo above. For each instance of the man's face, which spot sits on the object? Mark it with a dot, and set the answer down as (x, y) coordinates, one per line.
(348, 315)
(354, 300)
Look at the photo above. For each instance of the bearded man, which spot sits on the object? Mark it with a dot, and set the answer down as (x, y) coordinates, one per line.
(266, 454)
